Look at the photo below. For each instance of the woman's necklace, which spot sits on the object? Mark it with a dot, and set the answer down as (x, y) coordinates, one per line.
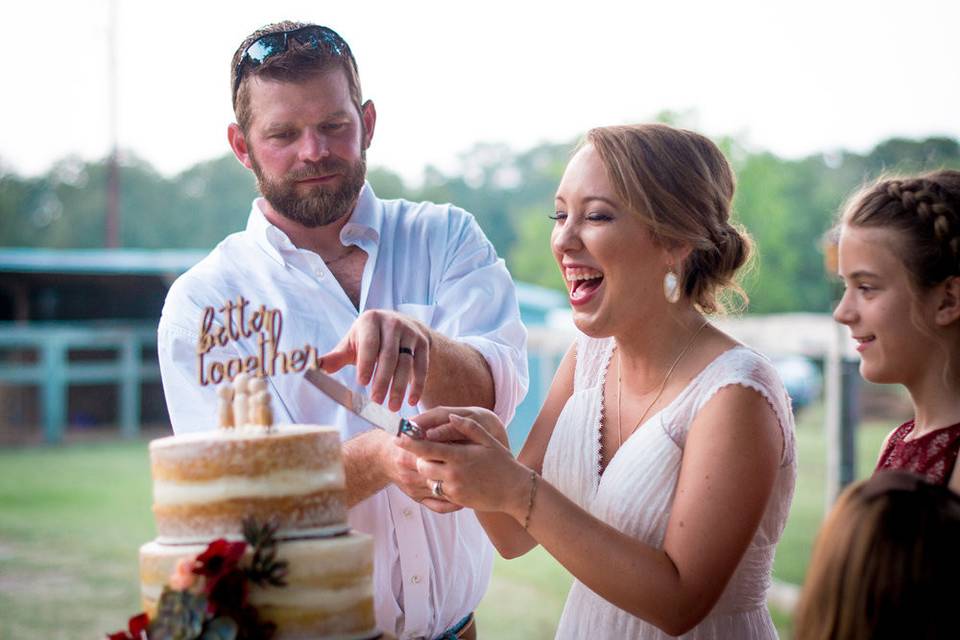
(663, 385)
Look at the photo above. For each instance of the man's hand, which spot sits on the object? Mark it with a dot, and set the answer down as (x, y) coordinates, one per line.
(390, 349)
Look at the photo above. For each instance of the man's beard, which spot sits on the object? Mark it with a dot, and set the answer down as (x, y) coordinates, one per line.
(321, 205)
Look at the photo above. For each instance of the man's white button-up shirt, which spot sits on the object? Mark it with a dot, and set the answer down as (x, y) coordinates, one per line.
(431, 262)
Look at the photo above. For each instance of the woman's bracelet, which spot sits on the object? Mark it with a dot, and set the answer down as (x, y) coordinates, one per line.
(533, 493)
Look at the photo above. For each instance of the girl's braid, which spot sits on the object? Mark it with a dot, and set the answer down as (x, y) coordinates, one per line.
(934, 207)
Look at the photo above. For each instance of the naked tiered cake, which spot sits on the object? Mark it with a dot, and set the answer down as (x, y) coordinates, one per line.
(206, 484)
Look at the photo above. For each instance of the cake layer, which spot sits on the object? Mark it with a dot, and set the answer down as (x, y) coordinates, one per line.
(206, 484)
(244, 451)
(328, 594)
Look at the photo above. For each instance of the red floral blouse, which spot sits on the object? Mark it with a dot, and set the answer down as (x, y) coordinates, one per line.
(932, 455)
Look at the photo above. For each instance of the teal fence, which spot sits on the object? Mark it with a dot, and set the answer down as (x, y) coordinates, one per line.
(45, 355)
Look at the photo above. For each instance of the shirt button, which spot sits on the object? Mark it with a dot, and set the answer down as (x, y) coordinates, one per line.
(407, 512)
(320, 273)
(415, 579)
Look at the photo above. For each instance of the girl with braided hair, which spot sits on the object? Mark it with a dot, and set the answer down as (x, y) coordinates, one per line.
(899, 257)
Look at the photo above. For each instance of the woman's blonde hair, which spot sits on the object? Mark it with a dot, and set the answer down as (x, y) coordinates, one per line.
(682, 186)
(884, 564)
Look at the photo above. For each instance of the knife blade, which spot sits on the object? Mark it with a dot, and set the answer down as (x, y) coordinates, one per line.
(360, 404)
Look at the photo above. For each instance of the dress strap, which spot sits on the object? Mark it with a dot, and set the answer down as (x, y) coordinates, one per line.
(740, 366)
(593, 355)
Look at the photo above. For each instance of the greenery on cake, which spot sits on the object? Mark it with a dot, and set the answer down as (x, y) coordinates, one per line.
(207, 597)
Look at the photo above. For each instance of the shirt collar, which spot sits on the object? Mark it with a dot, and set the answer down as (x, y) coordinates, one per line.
(365, 222)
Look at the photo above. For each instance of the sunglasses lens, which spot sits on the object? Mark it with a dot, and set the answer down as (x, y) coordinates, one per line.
(266, 47)
(319, 38)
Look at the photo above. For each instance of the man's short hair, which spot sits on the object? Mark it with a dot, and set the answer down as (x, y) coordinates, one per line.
(299, 62)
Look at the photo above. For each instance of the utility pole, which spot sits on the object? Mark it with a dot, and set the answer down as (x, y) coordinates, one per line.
(112, 230)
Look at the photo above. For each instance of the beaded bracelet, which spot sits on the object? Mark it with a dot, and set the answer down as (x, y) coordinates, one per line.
(533, 493)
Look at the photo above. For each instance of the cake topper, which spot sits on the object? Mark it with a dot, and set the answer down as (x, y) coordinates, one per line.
(245, 401)
(259, 328)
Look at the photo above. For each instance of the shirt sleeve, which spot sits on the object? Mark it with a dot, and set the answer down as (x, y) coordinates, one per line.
(476, 304)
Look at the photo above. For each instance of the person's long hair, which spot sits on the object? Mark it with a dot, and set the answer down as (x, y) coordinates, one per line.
(885, 564)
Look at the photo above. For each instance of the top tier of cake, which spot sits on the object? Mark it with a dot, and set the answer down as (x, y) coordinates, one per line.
(205, 484)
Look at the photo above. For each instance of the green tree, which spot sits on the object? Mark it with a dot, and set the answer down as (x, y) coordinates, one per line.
(786, 204)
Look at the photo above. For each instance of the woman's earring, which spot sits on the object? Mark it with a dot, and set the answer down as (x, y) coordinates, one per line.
(671, 286)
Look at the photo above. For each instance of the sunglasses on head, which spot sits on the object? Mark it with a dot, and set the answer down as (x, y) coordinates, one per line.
(274, 44)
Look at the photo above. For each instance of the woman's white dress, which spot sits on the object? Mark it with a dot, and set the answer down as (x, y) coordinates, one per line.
(635, 492)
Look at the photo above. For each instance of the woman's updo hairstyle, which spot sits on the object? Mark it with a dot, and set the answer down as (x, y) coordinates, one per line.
(925, 213)
(682, 186)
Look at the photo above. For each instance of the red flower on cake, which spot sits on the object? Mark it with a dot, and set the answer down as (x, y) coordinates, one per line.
(216, 605)
(219, 559)
(136, 629)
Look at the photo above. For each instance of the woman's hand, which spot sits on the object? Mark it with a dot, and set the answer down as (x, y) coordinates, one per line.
(438, 428)
(476, 471)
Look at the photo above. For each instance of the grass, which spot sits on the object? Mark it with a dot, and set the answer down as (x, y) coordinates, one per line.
(72, 519)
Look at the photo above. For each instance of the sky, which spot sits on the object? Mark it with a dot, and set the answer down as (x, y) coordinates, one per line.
(794, 78)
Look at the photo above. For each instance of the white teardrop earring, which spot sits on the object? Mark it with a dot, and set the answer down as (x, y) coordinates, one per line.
(671, 286)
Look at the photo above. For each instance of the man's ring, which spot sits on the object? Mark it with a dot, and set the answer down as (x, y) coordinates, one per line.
(437, 489)
(406, 350)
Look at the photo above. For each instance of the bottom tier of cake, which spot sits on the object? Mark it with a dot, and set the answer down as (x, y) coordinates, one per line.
(328, 592)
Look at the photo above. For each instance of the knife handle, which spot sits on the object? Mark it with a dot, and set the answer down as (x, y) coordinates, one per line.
(410, 429)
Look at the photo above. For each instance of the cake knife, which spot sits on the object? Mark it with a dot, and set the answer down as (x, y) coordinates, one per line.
(360, 404)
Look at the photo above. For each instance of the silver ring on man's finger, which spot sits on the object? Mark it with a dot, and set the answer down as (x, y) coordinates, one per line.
(406, 350)
(436, 488)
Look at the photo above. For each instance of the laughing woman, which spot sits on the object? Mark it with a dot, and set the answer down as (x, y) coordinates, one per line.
(661, 467)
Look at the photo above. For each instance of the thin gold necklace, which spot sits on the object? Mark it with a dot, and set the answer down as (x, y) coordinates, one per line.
(663, 385)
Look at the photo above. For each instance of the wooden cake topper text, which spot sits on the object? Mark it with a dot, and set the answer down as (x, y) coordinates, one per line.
(239, 321)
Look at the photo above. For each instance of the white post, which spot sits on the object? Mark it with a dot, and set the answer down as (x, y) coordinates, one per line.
(833, 408)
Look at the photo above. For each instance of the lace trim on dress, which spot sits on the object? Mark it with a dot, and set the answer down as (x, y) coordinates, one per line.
(738, 365)
(593, 362)
(933, 454)
(786, 433)
(609, 348)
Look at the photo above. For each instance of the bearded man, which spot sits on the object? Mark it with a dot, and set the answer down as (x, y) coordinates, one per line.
(412, 295)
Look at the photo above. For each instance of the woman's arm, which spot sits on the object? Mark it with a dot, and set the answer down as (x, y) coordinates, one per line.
(730, 462)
